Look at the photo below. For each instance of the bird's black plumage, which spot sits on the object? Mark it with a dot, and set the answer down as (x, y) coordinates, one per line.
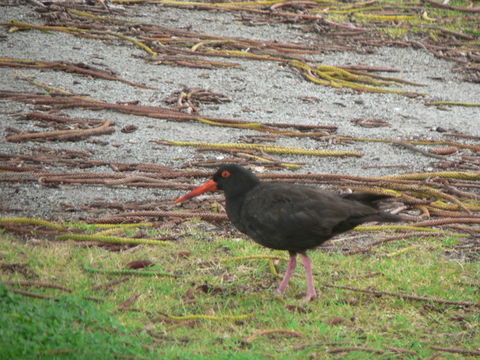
(290, 217)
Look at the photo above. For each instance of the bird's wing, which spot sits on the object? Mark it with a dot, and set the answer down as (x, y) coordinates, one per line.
(300, 217)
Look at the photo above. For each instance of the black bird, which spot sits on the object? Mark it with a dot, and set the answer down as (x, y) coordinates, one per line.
(290, 217)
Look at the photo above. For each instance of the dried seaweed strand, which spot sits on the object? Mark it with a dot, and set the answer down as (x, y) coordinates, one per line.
(464, 175)
(101, 130)
(354, 348)
(88, 268)
(65, 66)
(110, 284)
(127, 303)
(405, 296)
(33, 295)
(111, 239)
(452, 103)
(401, 351)
(437, 222)
(413, 142)
(30, 221)
(159, 214)
(210, 317)
(57, 118)
(262, 147)
(456, 350)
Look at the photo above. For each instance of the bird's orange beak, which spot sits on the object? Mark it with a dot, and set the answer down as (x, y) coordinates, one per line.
(210, 185)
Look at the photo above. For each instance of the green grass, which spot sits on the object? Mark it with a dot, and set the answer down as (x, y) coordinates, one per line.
(72, 327)
(210, 281)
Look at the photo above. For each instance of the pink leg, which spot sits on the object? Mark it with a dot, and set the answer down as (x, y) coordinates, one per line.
(288, 274)
(311, 292)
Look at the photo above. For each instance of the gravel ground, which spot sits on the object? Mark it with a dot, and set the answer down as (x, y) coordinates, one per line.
(260, 92)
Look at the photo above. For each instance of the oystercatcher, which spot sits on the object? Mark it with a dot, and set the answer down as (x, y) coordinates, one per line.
(290, 217)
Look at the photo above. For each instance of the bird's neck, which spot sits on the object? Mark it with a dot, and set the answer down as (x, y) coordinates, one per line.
(234, 205)
(235, 199)
(237, 191)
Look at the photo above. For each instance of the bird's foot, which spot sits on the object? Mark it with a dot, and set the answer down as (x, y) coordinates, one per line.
(280, 291)
(310, 297)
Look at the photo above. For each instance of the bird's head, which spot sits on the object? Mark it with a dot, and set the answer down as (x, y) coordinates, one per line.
(231, 178)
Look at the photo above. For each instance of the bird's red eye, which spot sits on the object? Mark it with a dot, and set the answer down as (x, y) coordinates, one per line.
(226, 174)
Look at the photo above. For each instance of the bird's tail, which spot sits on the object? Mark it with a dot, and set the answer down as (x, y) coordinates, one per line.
(367, 198)
(373, 200)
